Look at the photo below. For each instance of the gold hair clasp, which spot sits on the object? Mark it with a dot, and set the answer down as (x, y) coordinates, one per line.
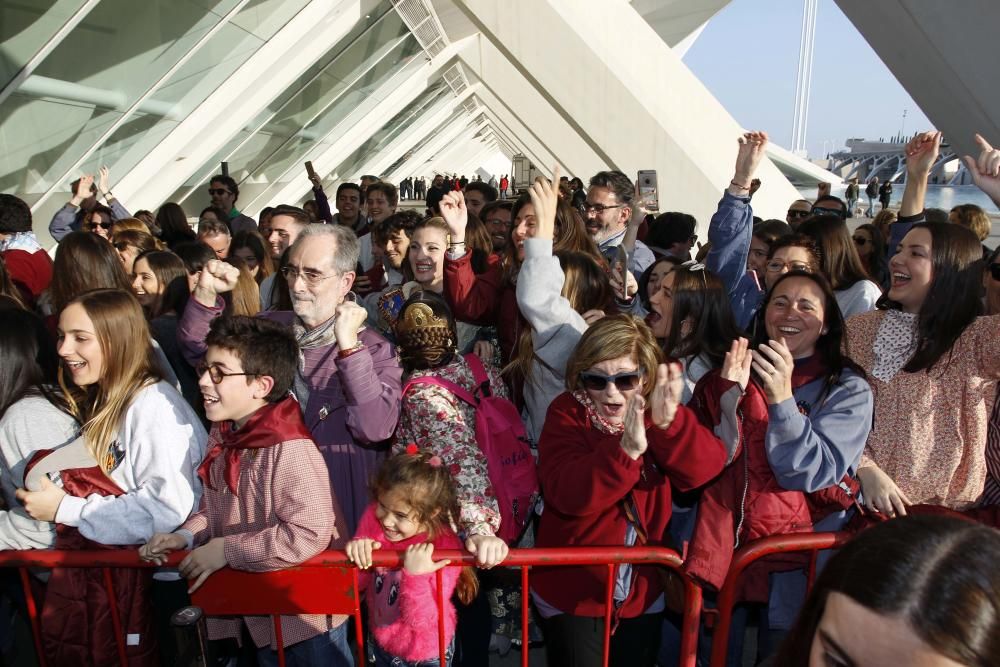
(420, 316)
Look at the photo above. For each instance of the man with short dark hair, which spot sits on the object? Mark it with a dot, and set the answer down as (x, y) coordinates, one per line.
(608, 208)
(349, 205)
(672, 234)
(477, 195)
(380, 203)
(496, 215)
(285, 226)
(436, 192)
(29, 266)
(224, 192)
(798, 210)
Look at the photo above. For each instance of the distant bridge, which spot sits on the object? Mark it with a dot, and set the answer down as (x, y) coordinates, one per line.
(888, 161)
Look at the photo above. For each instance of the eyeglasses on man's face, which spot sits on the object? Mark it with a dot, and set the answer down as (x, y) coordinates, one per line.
(218, 191)
(311, 277)
(599, 208)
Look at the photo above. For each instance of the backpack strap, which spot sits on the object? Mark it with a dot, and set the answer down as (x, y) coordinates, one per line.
(479, 374)
(447, 385)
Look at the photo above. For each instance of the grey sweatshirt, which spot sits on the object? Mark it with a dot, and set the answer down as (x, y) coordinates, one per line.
(29, 425)
(555, 330)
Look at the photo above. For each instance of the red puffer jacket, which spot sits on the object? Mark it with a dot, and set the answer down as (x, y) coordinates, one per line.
(76, 623)
(745, 502)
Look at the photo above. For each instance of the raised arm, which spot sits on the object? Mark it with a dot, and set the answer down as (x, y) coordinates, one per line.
(731, 227)
(985, 169)
(921, 154)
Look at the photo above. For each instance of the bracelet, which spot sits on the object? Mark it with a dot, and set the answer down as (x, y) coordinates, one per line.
(456, 244)
(737, 185)
(357, 347)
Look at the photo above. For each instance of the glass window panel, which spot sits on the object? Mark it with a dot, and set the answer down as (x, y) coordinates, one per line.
(348, 59)
(27, 26)
(273, 169)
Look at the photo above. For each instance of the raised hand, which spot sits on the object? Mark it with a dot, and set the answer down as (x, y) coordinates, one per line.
(774, 364)
(634, 441)
(623, 292)
(217, 277)
(921, 153)
(736, 367)
(752, 146)
(666, 395)
(455, 213)
(545, 200)
(985, 169)
(83, 189)
(350, 318)
(103, 184)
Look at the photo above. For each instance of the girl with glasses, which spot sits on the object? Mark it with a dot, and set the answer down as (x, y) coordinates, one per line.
(619, 425)
(131, 473)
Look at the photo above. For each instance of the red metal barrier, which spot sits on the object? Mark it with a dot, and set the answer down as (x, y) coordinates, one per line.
(328, 584)
(747, 556)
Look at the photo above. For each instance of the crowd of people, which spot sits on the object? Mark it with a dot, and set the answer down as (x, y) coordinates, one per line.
(553, 369)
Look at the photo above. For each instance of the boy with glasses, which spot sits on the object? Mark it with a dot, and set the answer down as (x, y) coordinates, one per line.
(267, 503)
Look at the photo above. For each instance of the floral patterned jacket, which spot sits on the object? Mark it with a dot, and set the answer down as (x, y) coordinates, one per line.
(437, 421)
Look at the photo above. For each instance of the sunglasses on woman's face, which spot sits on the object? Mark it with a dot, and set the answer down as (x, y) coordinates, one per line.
(595, 381)
(103, 225)
(995, 271)
(861, 241)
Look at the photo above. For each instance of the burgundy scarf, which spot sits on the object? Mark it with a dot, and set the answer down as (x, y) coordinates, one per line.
(273, 423)
(809, 369)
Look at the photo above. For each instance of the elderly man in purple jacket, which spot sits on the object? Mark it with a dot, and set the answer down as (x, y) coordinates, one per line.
(349, 377)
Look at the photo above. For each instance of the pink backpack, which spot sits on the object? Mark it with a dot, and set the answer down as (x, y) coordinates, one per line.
(502, 439)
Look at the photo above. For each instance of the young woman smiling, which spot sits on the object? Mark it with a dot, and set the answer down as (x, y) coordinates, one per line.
(131, 474)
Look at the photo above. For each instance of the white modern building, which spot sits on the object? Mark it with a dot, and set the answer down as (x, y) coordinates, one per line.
(163, 91)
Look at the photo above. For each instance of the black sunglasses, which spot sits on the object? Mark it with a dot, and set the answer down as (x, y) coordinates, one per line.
(822, 210)
(102, 225)
(995, 271)
(799, 214)
(623, 381)
(861, 241)
(218, 191)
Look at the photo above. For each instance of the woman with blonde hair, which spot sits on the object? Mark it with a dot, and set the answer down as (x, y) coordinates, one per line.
(245, 297)
(131, 473)
(621, 427)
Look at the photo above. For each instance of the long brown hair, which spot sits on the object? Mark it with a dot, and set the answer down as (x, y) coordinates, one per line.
(128, 366)
(245, 297)
(254, 242)
(429, 489)
(585, 286)
(570, 234)
(83, 262)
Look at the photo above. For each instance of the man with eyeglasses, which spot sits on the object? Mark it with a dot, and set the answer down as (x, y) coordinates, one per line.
(348, 381)
(608, 208)
(224, 192)
(496, 216)
(798, 210)
(72, 216)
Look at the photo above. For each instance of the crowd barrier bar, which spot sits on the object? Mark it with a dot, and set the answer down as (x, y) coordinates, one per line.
(328, 584)
(747, 556)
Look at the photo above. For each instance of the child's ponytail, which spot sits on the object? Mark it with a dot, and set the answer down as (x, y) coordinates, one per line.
(468, 585)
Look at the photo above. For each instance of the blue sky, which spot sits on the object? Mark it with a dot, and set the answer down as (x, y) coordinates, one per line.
(747, 57)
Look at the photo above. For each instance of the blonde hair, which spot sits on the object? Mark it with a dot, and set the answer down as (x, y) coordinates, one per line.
(246, 295)
(128, 366)
(612, 337)
(131, 224)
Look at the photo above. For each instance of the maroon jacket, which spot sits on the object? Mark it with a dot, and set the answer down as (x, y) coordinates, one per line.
(485, 299)
(746, 497)
(586, 477)
(76, 624)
